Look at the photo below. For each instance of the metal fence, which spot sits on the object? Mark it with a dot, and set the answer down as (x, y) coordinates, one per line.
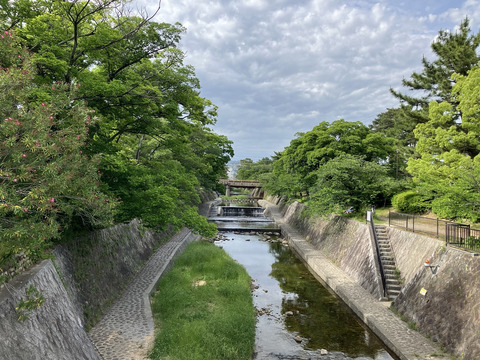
(453, 233)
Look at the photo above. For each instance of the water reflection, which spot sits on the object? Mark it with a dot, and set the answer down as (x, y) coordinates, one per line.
(297, 316)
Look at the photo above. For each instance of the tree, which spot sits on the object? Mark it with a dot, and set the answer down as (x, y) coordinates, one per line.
(154, 137)
(456, 54)
(447, 169)
(250, 170)
(349, 181)
(313, 149)
(47, 182)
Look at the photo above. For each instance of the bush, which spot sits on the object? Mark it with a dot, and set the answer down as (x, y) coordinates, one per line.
(411, 202)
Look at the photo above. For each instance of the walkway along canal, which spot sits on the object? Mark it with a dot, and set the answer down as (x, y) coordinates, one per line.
(298, 318)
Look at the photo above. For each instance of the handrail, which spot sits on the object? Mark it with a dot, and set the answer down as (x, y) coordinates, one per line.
(382, 271)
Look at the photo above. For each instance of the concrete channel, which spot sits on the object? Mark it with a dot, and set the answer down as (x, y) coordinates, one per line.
(406, 343)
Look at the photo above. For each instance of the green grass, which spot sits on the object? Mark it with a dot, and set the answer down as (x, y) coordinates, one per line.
(203, 308)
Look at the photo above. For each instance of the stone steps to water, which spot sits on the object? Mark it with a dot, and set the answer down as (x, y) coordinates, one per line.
(393, 286)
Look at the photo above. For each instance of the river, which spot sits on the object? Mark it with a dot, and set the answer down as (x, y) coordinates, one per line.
(298, 318)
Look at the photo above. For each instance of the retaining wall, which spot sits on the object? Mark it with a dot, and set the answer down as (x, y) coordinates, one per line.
(87, 274)
(447, 310)
(53, 331)
(347, 243)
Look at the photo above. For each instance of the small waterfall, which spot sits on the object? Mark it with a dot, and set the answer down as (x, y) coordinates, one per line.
(241, 211)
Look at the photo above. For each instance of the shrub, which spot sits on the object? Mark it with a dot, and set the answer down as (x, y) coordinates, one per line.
(411, 202)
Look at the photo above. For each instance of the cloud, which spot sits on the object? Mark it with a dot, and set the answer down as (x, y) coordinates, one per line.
(277, 67)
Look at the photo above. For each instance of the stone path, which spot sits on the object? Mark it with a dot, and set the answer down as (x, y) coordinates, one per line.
(126, 331)
(406, 343)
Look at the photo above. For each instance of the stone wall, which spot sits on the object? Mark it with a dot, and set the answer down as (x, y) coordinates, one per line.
(87, 274)
(97, 266)
(447, 310)
(347, 243)
(52, 331)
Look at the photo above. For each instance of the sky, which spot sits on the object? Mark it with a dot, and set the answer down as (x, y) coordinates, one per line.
(278, 67)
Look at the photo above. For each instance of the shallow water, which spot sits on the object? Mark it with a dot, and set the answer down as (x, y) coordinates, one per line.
(297, 316)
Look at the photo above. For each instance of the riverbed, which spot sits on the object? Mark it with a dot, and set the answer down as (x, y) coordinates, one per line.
(298, 318)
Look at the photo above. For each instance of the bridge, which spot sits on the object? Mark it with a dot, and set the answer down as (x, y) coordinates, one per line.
(245, 184)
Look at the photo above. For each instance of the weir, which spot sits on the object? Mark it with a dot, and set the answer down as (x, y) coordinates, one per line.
(240, 211)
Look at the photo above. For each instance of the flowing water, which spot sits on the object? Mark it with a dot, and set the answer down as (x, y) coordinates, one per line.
(298, 318)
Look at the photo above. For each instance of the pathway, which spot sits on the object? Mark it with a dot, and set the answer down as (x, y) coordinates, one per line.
(126, 331)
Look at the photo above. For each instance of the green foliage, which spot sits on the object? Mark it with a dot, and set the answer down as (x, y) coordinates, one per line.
(456, 52)
(298, 163)
(411, 202)
(47, 182)
(349, 181)
(250, 170)
(153, 144)
(203, 308)
(448, 166)
(34, 299)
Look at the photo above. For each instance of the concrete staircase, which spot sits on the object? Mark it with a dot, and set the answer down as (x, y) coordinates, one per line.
(388, 262)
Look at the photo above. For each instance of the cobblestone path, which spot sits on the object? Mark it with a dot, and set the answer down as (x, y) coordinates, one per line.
(126, 331)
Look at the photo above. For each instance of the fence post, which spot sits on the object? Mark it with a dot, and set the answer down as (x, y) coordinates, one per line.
(413, 223)
(406, 225)
(437, 228)
(388, 217)
(446, 234)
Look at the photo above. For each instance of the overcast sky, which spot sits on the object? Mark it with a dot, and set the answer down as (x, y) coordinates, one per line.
(278, 67)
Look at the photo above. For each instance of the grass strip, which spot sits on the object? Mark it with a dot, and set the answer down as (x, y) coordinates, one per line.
(203, 308)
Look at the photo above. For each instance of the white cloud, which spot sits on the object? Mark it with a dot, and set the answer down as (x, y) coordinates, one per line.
(276, 67)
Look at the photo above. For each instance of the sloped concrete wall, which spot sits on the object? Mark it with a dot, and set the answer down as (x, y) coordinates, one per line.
(448, 309)
(448, 312)
(411, 250)
(53, 331)
(87, 274)
(347, 243)
(97, 266)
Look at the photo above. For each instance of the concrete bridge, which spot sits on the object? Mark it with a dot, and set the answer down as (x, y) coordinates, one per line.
(245, 184)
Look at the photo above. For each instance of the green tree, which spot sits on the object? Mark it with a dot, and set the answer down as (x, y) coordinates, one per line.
(456, 53)
(134, 77)
(250, 170)
(447, 169)
(311, 150)
(47, 182)
(350, 181)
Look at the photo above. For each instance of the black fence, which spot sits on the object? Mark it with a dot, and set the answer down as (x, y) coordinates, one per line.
(453, 233)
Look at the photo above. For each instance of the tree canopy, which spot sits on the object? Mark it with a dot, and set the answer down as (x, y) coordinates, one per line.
(146, 128)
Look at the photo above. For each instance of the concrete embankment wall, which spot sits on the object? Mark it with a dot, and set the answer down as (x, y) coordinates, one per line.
(347, 243)
(449, 311)
(86, 275)
(53, 331)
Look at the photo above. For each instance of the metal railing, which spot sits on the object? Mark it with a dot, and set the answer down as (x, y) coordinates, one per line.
(377, 247)
(463, 236)
(453, 233)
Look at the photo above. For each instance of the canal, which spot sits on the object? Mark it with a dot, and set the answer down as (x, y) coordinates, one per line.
(298, 318)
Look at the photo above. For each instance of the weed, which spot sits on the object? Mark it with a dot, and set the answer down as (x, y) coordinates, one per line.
(34, 299)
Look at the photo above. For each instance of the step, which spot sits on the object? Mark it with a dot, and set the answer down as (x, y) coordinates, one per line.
(392, 281)
(392, 288)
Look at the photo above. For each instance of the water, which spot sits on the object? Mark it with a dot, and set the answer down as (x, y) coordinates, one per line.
(297, 316)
